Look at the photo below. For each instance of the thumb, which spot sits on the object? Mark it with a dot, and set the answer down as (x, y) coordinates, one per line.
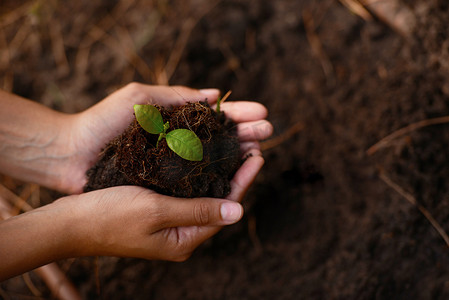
(201, 212)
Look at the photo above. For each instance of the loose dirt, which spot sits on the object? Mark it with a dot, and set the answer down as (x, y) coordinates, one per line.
(132, 158)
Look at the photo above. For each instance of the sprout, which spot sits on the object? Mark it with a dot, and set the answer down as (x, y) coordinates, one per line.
(183, 142)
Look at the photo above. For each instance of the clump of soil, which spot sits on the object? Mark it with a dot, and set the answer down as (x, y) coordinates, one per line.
(133, 159)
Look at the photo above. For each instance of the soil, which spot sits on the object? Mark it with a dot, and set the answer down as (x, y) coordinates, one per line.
(132, 158)
(320, 223)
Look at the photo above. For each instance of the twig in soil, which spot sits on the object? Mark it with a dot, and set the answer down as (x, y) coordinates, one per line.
(16, 14)
(413, 201)
(316, 45)
(17, 203)
(221, 100)
(357, 8)
(393, 13)
(29, 283)
(271, 143)
(405, 130)
(31, 194)
(226, 96)
(20, 37)
(57, 282)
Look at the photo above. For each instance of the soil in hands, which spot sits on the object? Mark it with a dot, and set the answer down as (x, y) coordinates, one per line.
(133, 159)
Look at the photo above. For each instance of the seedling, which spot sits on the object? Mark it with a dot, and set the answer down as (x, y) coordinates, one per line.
(183, 142)
(136, 158)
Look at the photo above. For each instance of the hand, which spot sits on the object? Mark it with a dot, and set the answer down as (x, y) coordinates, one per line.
(132, 221)
(122, 221)
(126, 221)
(92, 129)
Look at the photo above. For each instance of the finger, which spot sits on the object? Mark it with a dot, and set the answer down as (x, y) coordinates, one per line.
(178, 95)
(243, 111)
(254, 130)
(199, 212)
(245, 175)
(137, 93)
(165, 95)
(247, 146)
(178, 243)
(194, 236)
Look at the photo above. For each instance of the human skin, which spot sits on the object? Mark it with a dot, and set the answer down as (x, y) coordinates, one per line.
(55, 150)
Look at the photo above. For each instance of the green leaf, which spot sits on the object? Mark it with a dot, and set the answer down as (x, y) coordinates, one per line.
(149, 118)
(185, 143)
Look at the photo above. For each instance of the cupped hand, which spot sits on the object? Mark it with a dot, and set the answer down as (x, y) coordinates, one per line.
(92, 129)
(136, 222)
(128, 220)
(131, 221)
(125, 221)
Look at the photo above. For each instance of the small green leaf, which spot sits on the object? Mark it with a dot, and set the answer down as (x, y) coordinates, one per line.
(185, 143)
(149, 118)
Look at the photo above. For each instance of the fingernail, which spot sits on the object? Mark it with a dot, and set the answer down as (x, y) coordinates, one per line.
(210, 92)
(231, 212)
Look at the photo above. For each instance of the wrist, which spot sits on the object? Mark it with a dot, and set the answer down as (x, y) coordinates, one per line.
(73, 231)
(67, 167)
(83, 224)
(34, 141)
(37, 238)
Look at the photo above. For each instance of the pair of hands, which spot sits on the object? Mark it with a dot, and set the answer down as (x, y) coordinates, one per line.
(125, 221)
(157, 226)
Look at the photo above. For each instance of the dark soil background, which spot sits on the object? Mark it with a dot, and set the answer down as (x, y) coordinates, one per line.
(320, 223)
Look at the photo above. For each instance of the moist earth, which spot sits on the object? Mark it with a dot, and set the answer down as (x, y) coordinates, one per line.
(132, 158)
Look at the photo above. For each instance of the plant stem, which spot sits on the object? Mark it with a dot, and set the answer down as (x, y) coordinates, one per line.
(161, 136)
